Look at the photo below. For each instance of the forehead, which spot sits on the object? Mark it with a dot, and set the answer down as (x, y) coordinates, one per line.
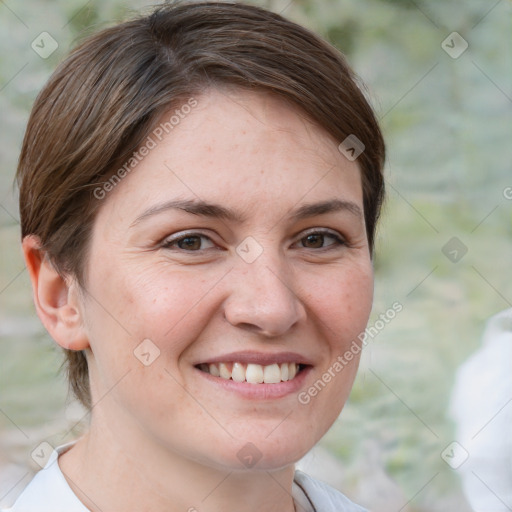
(248, 149)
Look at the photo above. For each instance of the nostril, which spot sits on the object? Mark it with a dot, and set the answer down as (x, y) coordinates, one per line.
(249, 327)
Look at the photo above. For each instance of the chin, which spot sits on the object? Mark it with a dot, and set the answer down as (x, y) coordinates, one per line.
(264, 452)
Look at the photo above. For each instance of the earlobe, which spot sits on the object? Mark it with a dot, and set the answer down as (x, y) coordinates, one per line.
(56, 298)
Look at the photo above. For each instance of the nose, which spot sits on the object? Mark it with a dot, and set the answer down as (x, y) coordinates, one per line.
(263, 300)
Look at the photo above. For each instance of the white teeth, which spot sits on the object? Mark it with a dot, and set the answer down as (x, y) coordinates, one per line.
(271, 374)
(284, 371)
(224, 371)
(252, 373)
(238, 372)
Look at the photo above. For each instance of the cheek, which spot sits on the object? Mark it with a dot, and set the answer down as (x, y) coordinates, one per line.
(165, 306)
(172, 305)
(137, 341)
(342, 302)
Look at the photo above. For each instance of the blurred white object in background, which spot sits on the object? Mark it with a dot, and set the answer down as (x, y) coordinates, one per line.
(481, 406)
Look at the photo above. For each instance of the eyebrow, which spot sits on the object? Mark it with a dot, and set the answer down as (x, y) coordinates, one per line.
(204, 209)
(323, 207)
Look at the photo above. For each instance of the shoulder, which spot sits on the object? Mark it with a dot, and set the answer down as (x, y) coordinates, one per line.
(323, 497)
(48, 491)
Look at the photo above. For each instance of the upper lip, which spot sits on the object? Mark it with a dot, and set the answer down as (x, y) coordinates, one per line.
(261, 358)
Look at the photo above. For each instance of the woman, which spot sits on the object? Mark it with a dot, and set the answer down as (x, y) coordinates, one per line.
(199, 190)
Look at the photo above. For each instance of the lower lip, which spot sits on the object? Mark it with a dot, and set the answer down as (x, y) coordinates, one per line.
(260, 391)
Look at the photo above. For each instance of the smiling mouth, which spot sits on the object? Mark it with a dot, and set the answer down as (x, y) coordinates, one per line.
(253, 373)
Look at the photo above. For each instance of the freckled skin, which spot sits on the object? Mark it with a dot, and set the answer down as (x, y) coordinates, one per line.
(258, 156)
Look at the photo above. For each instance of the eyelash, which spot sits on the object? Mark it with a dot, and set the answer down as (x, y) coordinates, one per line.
(168, 243)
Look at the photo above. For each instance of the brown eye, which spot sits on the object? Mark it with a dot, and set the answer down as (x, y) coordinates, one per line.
(314, 241)
(190, 243)
(320, 240)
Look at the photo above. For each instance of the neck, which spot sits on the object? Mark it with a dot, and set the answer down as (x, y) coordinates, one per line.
(116, 471)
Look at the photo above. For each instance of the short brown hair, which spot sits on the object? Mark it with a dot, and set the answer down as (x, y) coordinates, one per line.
(107, 95)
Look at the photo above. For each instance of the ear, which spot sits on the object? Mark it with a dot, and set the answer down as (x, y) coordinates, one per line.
(57, 299)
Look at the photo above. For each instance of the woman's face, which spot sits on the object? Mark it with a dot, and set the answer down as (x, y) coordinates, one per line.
(237, 246)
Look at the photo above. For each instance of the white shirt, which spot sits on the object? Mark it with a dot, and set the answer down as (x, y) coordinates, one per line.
(49, 492)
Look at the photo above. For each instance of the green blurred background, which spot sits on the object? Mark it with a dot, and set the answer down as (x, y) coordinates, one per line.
(447, 122)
